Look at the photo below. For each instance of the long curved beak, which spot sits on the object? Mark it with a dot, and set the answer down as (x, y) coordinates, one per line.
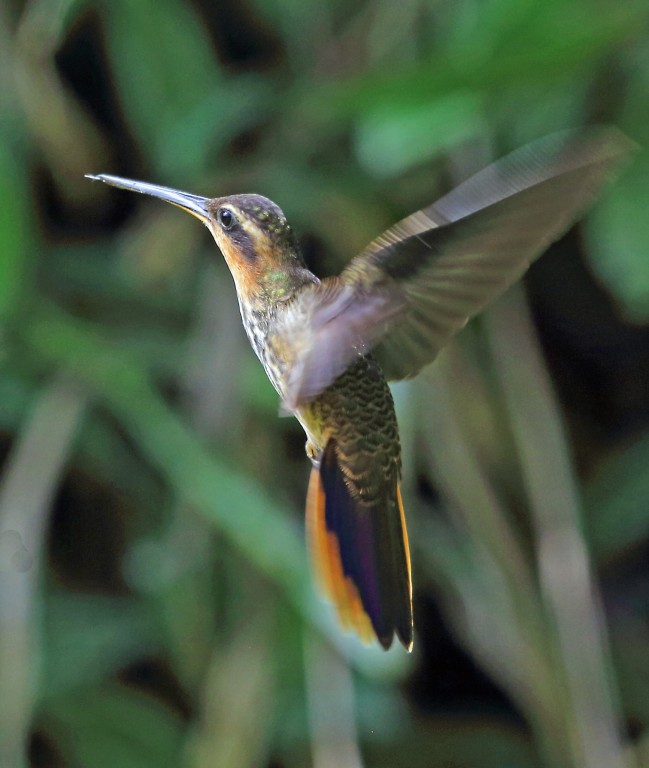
(193, 204)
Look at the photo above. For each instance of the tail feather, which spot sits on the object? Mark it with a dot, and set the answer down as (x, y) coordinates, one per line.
(360, 555)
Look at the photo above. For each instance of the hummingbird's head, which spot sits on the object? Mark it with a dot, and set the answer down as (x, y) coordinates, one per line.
(256, 241)
(250, 230)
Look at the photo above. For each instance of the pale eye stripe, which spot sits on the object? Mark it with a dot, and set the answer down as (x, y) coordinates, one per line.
(248, 226)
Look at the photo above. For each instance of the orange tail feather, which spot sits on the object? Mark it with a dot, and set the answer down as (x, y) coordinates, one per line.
(360, 556)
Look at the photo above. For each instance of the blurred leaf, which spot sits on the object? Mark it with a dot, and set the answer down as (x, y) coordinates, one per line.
(331, 706)
(100, 633)
(617, 501)
(101, 286)
(389, 140)
(566, 581)
(113, 726)
(16, 395)
(15, 223)
(68, 140)
(310, 31)
(618, 230)
(198, 136)
(239, 698)
(618, 233)
(629, 645)
(49, 21)
(106, 455)
(553, 44)
(461, 742)
(174, 571)
(164, 67)
(43, 444)
(258, 390)
(252, 521)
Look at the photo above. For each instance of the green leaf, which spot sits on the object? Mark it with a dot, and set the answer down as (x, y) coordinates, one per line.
(112, 726)
(15, 223)
(389, 140)
(550, 44)
(256, 525)
(163, 65)
(89, 637)
(618, 233)
(462, 741)
(199, 134)
(617, 500)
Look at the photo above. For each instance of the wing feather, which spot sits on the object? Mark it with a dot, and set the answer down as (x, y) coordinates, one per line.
(481, 238)
(328, 324)
(419, 282)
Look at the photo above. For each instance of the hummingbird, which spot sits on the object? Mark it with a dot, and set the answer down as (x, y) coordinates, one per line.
(329, 346)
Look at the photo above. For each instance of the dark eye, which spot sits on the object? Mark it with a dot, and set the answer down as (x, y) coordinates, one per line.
(226, 218)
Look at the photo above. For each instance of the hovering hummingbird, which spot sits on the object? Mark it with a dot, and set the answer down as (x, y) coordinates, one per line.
(329, 346)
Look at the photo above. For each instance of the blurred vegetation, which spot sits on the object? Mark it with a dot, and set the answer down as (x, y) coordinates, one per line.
(155, 603)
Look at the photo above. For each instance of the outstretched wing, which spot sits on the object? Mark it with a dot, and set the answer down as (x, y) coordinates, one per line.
(417, 284)
(455, 257)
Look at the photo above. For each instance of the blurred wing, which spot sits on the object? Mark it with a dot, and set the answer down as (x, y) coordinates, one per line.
(453, 258)
(423, 279)
(323, 328)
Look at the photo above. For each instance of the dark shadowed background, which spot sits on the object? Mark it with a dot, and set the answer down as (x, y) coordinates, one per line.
(156, 607)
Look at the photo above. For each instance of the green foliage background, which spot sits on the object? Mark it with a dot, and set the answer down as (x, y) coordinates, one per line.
(156, 607)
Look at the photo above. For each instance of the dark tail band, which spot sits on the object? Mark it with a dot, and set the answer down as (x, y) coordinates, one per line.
(360, 554)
